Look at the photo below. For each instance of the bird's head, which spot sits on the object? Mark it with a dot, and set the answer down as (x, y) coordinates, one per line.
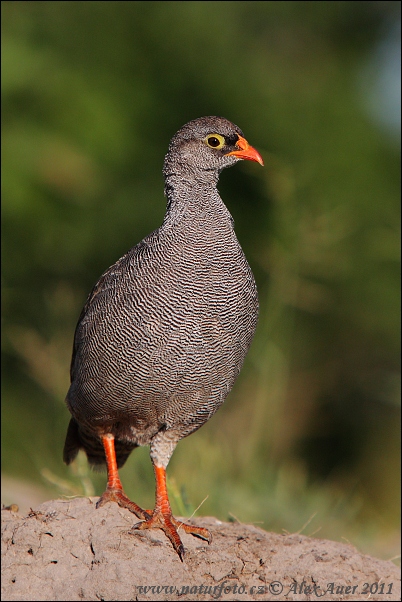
(207, 144)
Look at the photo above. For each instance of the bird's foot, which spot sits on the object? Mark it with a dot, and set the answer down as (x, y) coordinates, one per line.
(113, 494)
(170, 526)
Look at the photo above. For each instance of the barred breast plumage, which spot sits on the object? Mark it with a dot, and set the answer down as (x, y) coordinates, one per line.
(165, 331)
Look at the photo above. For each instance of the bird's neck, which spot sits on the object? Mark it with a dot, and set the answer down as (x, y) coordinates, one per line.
(189, 200)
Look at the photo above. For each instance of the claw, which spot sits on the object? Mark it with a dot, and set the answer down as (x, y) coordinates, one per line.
(170, 526)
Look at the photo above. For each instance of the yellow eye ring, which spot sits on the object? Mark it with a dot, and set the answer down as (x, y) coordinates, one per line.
(215, 141)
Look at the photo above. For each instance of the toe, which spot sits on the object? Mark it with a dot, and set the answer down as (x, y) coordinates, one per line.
(193, 530)
(171, 526)
(117, 495)
(165, 523)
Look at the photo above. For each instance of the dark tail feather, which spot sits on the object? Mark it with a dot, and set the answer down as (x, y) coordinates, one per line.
(72, 444)
(77, 439)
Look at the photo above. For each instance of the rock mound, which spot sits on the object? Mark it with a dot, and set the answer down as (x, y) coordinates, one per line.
(68, 550)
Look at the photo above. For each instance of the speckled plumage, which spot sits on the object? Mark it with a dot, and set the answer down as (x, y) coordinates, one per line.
(165, 330)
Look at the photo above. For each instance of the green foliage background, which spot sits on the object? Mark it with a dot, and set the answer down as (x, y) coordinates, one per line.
(92, 93)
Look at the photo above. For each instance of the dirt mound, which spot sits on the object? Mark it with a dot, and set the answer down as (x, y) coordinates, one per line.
(68, 550)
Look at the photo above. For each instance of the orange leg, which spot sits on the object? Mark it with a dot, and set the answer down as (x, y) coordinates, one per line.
(114, 490)
(162, 517)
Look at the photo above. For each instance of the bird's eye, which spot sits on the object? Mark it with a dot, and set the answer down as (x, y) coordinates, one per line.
(215, 141)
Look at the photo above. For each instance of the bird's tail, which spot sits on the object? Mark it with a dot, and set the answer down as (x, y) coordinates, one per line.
(77, 438)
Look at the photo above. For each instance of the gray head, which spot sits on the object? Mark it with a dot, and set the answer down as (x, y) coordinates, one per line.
(206, 146)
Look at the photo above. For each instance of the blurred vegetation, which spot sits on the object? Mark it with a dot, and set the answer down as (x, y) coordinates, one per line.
(92, 93)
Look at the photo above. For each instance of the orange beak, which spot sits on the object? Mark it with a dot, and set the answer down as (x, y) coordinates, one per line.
(246, 151)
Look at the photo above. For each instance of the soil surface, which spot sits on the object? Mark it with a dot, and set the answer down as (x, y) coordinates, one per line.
(68, 550)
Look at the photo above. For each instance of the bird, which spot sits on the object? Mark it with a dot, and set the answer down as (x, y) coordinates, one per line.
(165, 330)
